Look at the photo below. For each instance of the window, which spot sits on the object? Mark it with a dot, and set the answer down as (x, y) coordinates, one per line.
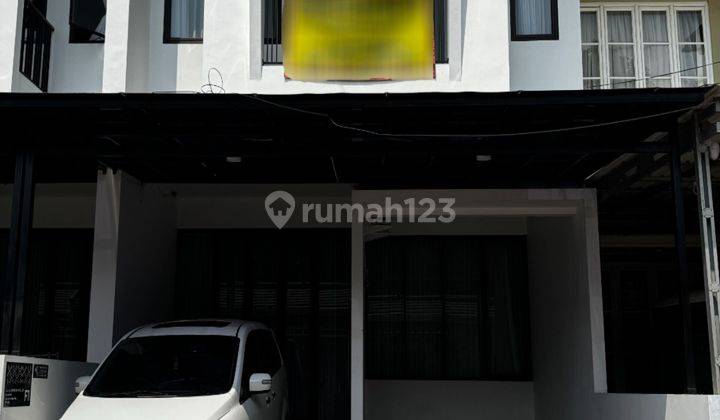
(171, 365)
(447, 308)
(261, 356)
(184, 21)
(656, 46)
(621, 48)
(272, 31)
(87, 21)
(534, 20)
(590, 50)
(691, 48)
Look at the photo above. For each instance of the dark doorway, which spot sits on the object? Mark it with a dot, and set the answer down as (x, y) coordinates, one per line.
(295, 281)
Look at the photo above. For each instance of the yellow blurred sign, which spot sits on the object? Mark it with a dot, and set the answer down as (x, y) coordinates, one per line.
(358, 39)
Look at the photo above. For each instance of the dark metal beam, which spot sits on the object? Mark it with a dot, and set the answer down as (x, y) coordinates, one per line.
(682, 262)
(13, 288)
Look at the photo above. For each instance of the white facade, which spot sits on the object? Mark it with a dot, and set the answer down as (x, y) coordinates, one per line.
(134, 58)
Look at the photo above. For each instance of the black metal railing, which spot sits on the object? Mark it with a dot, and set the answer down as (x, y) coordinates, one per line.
(441, 42)
(272, 32)
(35, 46)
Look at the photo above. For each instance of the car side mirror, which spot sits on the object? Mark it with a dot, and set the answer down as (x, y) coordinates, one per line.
(81, 383)
(259, 383)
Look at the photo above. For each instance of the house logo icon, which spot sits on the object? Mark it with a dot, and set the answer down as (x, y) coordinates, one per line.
(280, 206)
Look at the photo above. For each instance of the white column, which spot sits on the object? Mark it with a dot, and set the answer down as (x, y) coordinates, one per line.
(226, 42)
(104, 266)
(127, 46)
(357, 319)
(11, 12)
(133, 273)
(455, 29)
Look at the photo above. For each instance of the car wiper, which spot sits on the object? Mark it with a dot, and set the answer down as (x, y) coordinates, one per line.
(141, 394)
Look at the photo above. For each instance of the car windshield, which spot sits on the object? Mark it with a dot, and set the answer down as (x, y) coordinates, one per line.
(167, 366)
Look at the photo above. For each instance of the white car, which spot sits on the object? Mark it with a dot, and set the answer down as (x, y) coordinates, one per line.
(199, 370)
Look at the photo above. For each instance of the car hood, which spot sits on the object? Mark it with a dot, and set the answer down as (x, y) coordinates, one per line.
(211, 407)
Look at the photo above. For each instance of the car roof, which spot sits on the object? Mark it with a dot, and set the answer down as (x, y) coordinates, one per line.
(226, 327)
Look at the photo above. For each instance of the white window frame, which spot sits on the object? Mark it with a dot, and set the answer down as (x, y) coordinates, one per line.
(636, 10)
(599, 44)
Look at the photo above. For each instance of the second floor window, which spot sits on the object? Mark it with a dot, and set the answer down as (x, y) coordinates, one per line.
(87, 21)
(644, 46)
(184, 21)
(534, 20)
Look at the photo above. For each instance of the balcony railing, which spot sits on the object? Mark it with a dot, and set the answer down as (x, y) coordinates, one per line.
(35, 46)
(272, 32)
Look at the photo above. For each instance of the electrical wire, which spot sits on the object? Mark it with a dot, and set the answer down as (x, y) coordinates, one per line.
(477, 135)
(659, 75)
(215, 88)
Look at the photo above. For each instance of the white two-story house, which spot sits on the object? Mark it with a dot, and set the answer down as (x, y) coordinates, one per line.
(575, 139)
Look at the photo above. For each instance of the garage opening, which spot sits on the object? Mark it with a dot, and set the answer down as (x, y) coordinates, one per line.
(295, 281)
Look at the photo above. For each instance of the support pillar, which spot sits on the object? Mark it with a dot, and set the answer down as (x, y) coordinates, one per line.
(133, 273)
(682, 263)
(709, 252)
(13, 289)
(357, 321)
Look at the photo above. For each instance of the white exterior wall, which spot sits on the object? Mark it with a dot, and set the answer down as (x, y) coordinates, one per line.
(479, 58)
(134, 58)
(550, 65)
(172, 67)
(49, 397)
(74, 67)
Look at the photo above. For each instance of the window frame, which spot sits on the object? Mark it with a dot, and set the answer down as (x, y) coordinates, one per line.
(605, 47)
(71, 24)
(167, 30)
(599, 44)
(671, 8)
(554, 34)
(671, 30)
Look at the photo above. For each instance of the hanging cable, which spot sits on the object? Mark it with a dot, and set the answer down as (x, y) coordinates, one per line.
(659, 75)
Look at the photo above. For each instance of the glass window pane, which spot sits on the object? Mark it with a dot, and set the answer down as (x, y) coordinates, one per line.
(533, 17)
(186, 19)
(690, 28)
(591, 61)
(657, 60)
(659, 83)
(692, 82)
(622, 61)
(692, 58)
(591, 84)
(619, 26)
(589, 27)
(622, 83)
(654, 26)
